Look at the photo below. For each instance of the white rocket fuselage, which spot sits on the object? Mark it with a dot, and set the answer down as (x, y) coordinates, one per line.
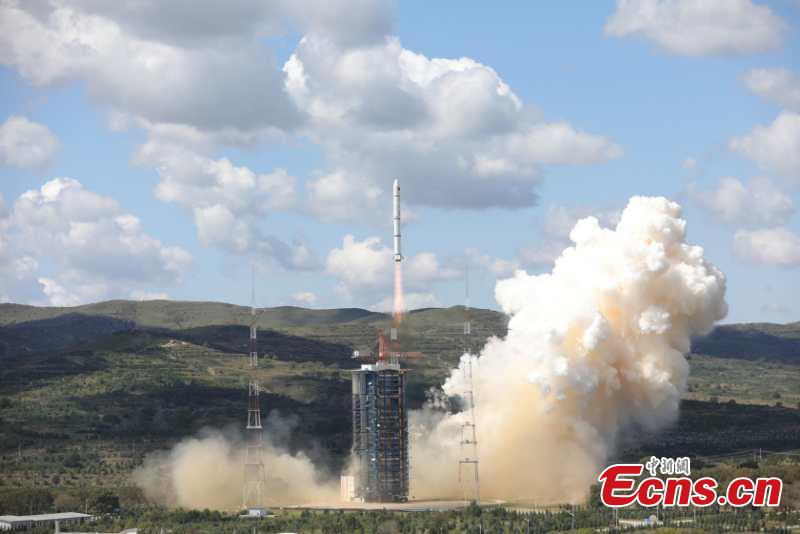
(398, 256)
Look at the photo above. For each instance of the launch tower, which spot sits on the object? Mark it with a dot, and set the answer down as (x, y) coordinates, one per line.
(254, 470)
(380, 422)
(469, 435)
(380, 428)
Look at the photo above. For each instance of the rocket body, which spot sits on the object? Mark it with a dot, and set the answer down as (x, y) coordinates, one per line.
(398, 256)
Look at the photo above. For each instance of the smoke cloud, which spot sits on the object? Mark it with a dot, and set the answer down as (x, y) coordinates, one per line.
(594, 352)
(207, 471)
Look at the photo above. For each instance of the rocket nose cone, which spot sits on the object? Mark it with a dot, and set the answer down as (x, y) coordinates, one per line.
(396, 185)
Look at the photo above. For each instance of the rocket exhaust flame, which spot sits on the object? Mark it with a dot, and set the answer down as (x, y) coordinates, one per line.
(399, 302)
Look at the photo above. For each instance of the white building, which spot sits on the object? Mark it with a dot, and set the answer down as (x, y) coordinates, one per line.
(25, 522)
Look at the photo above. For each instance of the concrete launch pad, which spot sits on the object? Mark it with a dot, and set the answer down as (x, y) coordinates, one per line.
(409, 506)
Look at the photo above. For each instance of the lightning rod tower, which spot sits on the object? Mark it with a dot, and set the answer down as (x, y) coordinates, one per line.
(254, 470)
(469, 440)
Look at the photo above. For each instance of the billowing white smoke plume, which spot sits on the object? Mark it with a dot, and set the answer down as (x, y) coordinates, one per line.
(207, 471)
(594, 349)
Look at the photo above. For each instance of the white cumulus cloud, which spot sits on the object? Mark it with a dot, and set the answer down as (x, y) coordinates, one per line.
(692, 28)
(202, 64)
(557, 226)
(228, 202)
(451, 130)
(304, 298)
(220, 79)
(777, 85)
(94, 248)
(773, 246)
(412, 301)
(364, 270)
(26, 144)
(758, 202)
(775, 147)
(499, 267)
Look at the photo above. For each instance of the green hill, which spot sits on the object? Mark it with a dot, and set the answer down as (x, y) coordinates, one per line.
(753, 341)
(185, 314)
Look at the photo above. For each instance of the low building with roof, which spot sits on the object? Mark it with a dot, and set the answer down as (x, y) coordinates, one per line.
(25, 522)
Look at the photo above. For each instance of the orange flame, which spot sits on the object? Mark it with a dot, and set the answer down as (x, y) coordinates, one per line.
(399, 303)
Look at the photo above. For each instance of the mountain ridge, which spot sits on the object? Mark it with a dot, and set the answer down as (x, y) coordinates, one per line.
(39, 327)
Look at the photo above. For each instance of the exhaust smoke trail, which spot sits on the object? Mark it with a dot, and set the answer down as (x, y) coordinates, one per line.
(594, 353)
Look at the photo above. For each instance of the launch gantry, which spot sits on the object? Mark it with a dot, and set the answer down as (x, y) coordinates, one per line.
(255, 472)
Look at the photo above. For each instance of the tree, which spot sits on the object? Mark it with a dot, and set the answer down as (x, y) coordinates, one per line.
(26, 501)
(104, 503)
(66, 502)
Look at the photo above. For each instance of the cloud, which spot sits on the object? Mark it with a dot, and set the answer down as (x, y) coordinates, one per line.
(364, 270)
(776, 85)
(556, 229)
(340, 196)
(304, 298)
(691, 28)
(227, 202)
(183, 23)
(149, 295)
(451, 130)
(26, 144)
(414, 300)
(139, 59)
(499, 267)
(775, 147)
(367, 21)
(759, 202)
(775, 246)
(543, 254)
(775, 308)
(17, 271)
(200, 76)
(201, 64)
(95, 249)
(560, 220)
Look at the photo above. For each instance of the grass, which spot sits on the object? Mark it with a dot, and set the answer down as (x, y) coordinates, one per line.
(744, 381)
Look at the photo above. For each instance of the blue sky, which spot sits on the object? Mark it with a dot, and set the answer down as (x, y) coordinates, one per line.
(582, 104)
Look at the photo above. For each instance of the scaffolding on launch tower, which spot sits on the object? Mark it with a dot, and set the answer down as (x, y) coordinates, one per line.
(469, 438)
(380, 426)
(255, 473)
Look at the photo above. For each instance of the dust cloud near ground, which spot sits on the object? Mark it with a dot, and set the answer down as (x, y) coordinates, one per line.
(207, 471)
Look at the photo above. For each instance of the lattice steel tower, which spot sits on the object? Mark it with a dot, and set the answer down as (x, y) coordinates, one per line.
(469, 439)
(254, 470)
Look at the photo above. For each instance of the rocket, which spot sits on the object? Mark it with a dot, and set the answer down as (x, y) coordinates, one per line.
(398, 257)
